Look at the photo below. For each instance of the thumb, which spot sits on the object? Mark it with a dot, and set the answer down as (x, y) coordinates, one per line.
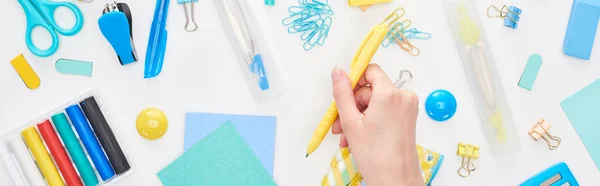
(344, 98)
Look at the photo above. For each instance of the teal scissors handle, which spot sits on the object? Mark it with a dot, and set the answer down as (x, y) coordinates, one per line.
(41, 14)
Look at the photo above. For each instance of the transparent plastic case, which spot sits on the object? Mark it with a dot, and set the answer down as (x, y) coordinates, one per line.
(483, 76)
(18, 158)
(246, 37)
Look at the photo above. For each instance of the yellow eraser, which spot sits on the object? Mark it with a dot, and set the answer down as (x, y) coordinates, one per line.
(366, 2)
(31, 80)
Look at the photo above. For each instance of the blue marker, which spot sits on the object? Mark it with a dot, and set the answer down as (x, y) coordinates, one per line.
(89, 141)
(155, 53)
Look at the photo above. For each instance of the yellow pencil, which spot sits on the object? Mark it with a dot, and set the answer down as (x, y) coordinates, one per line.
(42, 158)
(359, 64)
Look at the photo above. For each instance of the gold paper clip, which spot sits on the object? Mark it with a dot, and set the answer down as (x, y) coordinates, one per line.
(470, 153)
(540, 130)
(399, 38)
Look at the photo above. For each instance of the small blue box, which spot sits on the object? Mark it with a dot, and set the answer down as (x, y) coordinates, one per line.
(581, 30)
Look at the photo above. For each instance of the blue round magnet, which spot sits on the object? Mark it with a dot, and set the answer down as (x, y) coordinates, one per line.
(440, 105)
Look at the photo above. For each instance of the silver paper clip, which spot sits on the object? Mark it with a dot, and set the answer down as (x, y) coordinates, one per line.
(403, 77)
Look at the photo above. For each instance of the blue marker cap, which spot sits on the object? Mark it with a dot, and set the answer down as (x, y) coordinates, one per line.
(155, 52)
(440, 105)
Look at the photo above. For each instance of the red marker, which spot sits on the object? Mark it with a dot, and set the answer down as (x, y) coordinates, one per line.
(58, 153)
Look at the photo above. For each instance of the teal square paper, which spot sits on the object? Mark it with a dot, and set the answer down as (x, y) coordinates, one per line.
(222, 158)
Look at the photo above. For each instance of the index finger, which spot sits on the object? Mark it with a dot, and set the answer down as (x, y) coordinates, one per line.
(373, 75)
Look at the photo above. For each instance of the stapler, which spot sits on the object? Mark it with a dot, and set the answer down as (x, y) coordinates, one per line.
(115, 25)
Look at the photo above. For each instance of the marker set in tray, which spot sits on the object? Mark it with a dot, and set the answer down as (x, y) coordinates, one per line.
(69, 147)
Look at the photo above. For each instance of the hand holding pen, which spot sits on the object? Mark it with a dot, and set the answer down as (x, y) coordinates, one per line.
(377, 121)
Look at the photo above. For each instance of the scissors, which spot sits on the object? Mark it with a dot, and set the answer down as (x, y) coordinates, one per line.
(41, 13)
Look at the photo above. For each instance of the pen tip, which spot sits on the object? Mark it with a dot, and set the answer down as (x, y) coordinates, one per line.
(306, 156)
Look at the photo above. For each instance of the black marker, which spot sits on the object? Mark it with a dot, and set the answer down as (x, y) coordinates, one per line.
(105, 135)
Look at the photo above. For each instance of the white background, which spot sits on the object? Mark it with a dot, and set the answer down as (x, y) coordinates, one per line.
(202, 74)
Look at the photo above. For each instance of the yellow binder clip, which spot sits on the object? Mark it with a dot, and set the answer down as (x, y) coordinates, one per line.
(540, 130)
(468, 153)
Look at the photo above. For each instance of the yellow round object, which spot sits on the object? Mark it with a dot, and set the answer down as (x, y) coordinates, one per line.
(151, 123)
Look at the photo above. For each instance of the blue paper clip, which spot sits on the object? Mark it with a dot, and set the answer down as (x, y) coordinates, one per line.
(115, 25)
(412, 33)
(312, 18)
(510, 14)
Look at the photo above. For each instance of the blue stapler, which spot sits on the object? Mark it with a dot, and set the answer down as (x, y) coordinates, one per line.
(557, 175)
(115, 25)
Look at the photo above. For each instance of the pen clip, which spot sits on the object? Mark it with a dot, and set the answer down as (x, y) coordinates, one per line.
(360, 49)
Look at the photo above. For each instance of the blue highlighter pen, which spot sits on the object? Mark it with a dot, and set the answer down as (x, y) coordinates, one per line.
(90, 142)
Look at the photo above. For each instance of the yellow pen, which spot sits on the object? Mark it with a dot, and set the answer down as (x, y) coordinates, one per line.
(42, 158)
(360, 62)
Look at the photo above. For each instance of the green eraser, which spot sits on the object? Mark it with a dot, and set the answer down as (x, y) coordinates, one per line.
(74, 67)
(531, 71)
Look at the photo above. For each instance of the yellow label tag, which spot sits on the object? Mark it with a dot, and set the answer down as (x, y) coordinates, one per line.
(29, 77)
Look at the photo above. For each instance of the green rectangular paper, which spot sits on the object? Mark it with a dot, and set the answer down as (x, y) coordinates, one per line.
(582, 111)
(222, 158)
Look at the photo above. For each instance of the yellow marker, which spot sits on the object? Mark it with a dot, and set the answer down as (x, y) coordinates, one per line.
(151, 123)
(360, 62)
(31, 80)
(366, 2)
(42, 158)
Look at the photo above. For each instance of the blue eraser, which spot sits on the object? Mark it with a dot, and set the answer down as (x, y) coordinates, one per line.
(582, 27)
(85, 133)
(115, 28)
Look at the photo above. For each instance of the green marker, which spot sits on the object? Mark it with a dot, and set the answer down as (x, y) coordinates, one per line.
(72, 144)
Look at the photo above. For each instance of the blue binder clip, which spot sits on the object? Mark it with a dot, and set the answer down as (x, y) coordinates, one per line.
(510, 14)
(115, 25)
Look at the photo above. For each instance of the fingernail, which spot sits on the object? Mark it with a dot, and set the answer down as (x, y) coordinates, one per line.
(336, 73)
